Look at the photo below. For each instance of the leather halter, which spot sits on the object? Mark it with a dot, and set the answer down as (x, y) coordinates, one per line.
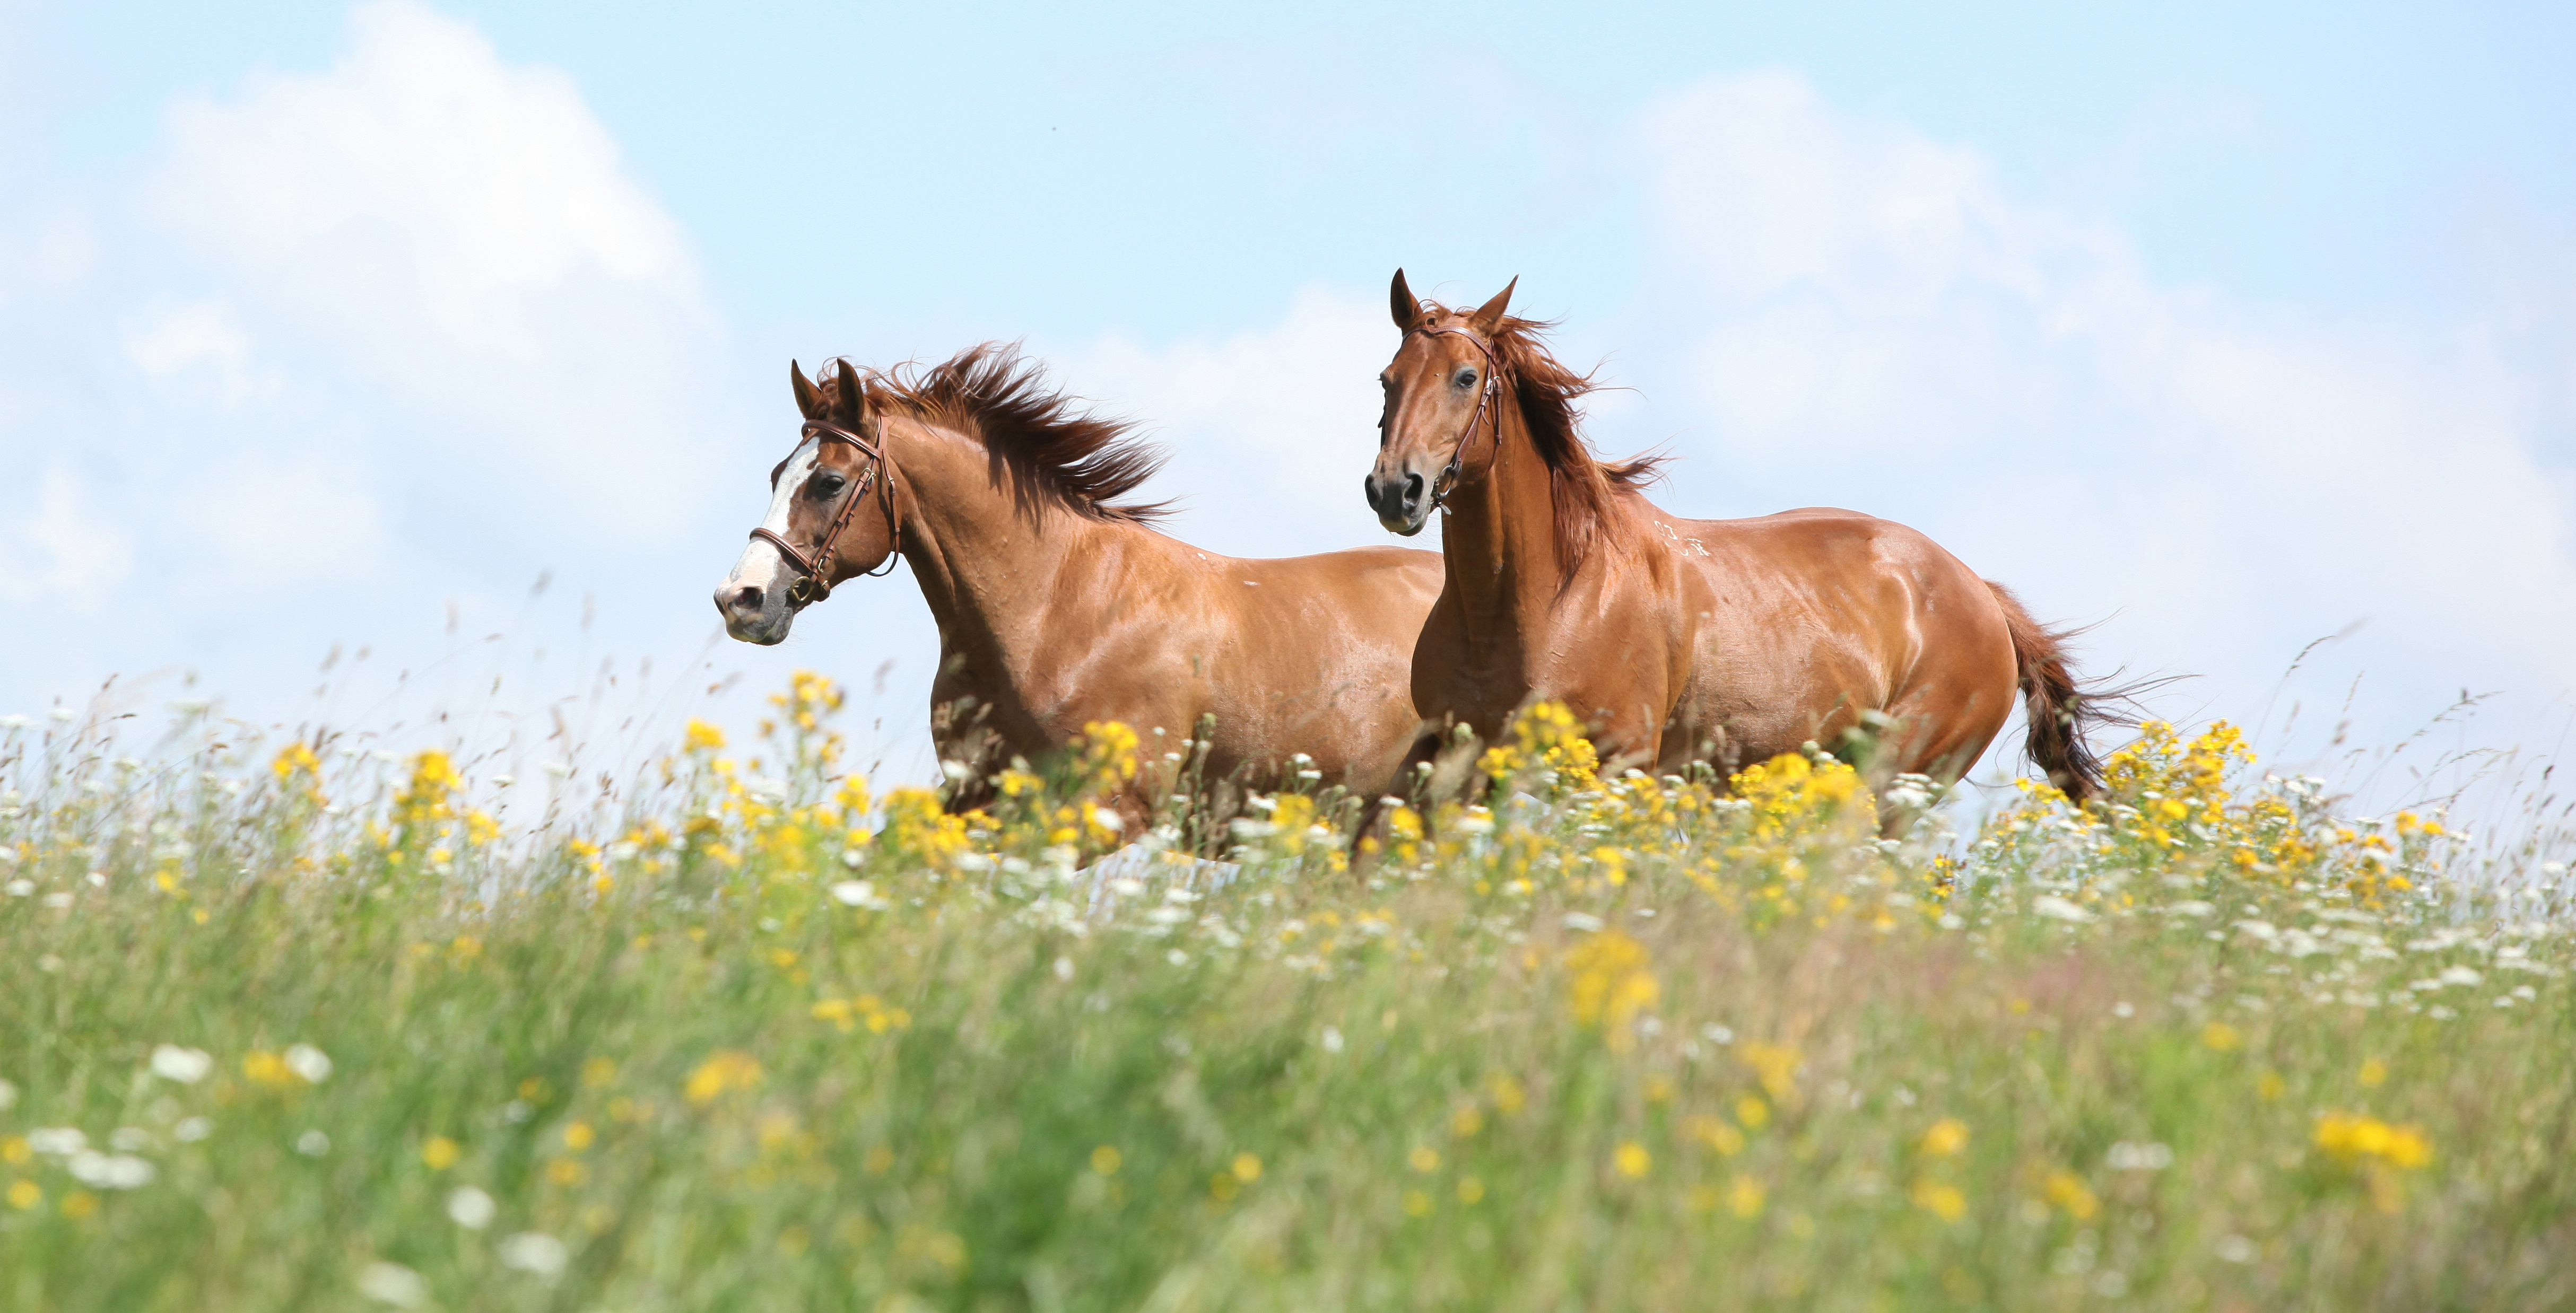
(1448, 480)
(813, 584)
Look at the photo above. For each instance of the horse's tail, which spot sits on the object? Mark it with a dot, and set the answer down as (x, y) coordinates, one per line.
(2055, 706)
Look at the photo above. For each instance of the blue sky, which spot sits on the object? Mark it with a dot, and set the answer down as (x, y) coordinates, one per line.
(2235, 327)
(2320, 155)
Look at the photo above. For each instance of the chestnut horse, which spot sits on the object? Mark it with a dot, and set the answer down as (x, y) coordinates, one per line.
(1724, 641)
(1057, 602)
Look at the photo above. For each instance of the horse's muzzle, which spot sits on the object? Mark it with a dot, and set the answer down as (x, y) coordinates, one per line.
(752, 615)
(1398, 501)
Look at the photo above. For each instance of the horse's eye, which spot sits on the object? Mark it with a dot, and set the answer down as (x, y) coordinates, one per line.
(1466, 378)
(828, 485)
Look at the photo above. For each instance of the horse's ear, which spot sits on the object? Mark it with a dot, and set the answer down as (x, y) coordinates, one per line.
(853, 397)
(1489, 316)
(1400, 300)
(809, 398)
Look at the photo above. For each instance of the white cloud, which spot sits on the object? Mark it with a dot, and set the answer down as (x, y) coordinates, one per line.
(172, 341)
(1270, 430)
(457, 237)
(364, 341)
(451, 184)
(261, 528)
(55, 247)
(65, 548)
(1852, 313)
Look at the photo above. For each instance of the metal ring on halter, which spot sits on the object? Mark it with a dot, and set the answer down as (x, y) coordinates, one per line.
(812, 583)
(1448, 480)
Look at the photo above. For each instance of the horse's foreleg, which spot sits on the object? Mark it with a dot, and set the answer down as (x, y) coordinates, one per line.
(1411, 784)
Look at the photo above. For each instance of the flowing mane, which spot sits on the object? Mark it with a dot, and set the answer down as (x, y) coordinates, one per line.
(1582, 487)
(1048, 444)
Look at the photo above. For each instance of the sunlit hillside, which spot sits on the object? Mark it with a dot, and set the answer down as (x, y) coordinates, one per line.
(291, 1025)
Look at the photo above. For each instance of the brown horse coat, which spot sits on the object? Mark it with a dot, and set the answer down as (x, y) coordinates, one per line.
(1726, 641)
(1057, 603)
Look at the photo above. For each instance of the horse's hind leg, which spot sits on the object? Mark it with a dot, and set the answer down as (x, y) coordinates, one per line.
(1937, 735)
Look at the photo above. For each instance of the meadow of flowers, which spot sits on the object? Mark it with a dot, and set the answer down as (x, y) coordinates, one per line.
(296, 1025)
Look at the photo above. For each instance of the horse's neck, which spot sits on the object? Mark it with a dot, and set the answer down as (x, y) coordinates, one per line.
(987, 563)
(1500, 540)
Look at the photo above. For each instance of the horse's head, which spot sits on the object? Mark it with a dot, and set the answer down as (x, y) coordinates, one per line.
(831, 513)
(1442, 390)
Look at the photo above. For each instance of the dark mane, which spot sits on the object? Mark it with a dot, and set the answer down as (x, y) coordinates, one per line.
(1048, 445)
(1582, 487)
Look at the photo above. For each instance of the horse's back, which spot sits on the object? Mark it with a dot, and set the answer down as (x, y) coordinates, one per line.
(1815, 540)
(1856, 612)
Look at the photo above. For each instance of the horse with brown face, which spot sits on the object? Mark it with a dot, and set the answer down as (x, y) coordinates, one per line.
(1058, 603)
(1723, 641)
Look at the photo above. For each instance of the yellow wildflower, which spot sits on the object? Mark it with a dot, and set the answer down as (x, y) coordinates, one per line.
(1714, 1132)
(424, 799)
(265, 1068)
(294, 758)
(726, 1069)
(2351, 1137)
(1776, 1065)
(1611, 982)
(1108, 753)
(1946, 1138)
(1941, 1199)
(1752, 1112)
(1744, 1196)
(1632, 1160)
(2068, 1191)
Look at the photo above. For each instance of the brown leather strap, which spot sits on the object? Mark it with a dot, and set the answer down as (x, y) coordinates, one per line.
(1448, 480)
(813, 582)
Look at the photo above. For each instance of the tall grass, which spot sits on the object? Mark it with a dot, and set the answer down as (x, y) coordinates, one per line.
(284, 1026)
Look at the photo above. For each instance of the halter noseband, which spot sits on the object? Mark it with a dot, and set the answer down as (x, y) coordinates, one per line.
(812, 583)
(1448, 480)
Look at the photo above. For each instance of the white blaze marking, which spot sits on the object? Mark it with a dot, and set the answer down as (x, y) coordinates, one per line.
(762, 564)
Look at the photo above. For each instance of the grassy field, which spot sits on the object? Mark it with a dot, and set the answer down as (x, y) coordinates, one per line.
(285, 1025)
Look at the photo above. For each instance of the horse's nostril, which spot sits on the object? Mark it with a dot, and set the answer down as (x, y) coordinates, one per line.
(1412, 492)
(747, 598)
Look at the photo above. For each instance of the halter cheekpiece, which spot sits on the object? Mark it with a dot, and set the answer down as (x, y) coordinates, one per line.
(1448, 480)
(813, 584)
